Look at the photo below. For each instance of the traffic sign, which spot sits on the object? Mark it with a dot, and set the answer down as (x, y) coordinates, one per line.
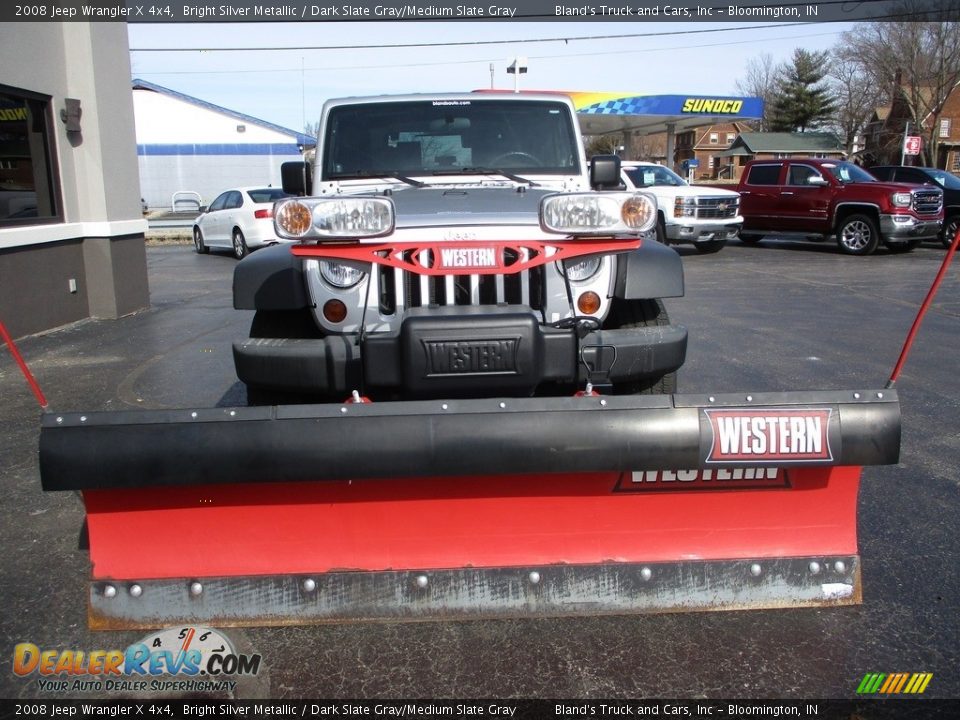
(911, 145)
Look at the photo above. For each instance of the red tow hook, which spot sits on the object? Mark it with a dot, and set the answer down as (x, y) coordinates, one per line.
(31, 381)
(357, 398)
(588, 391)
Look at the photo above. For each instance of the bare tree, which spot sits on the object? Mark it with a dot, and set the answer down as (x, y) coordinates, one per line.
(921, 59)
(649, 147)
(608, 144)
(761, 80)
(855, 94)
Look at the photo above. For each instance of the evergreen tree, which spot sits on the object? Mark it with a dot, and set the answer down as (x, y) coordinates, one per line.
(803, 100)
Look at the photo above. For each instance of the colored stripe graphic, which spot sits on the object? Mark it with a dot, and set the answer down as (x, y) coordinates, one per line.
(894, 683)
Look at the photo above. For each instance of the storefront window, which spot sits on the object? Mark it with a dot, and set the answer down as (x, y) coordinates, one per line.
(27, 172)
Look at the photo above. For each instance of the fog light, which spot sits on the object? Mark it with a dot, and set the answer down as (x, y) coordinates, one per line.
(334, 311)
(588, 303)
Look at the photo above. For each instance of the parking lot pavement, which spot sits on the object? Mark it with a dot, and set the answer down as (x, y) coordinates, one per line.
(779, 316)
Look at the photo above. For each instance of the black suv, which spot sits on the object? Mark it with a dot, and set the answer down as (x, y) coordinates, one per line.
(930, 176)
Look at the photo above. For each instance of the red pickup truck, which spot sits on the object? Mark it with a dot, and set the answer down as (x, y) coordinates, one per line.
(804, 197)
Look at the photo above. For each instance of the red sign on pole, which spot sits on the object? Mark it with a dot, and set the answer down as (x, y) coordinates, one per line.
(911, 145)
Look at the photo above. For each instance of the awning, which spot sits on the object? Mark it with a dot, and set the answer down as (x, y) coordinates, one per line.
(609, 112)
(740, 151)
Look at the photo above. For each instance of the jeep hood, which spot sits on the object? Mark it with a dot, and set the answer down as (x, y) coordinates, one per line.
(431, 207)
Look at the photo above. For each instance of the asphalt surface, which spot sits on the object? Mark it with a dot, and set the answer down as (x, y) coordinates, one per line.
(779, 316)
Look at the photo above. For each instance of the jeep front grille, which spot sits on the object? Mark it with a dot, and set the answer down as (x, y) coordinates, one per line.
(927, 202)
(400, 289)
(712, 208)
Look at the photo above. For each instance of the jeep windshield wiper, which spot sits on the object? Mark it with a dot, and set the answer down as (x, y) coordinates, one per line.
(365, 175)
(488, 171)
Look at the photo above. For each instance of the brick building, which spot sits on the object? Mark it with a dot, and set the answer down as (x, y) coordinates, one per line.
(883, 135)
(768, 145)
(704, 144)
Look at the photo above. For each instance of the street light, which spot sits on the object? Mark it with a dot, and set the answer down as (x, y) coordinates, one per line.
(516, 68)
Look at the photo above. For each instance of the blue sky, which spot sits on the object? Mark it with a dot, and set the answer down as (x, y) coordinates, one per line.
(289, 87)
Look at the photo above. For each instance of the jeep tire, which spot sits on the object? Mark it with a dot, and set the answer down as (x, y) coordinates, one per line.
(625, 314)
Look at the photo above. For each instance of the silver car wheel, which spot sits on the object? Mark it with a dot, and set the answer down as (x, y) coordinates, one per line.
(239, 245)
(856, 235)
(198, 242)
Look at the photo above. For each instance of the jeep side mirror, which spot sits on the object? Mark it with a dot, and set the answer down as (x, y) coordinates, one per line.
(296, 178)
(818, 181)
(605, 172)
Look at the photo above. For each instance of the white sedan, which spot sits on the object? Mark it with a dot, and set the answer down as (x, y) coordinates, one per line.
(240, 219)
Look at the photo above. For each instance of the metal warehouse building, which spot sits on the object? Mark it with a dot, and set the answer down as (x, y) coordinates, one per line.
(191, 148)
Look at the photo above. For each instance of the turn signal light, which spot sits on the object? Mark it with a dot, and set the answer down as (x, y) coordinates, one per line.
(588, 303)
(293, 219)
(334, 311)
(638, 213)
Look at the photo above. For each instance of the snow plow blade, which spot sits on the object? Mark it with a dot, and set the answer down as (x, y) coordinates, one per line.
(471, 508)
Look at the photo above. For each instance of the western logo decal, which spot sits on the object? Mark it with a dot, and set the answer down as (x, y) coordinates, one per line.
(751, 435)
(469, 258)
(702, 479)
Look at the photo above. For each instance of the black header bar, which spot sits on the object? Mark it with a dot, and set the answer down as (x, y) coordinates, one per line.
(158, 707)
(170, 11)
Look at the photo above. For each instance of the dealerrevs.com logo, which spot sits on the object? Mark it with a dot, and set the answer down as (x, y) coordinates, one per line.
(894, 683)
(186, 659)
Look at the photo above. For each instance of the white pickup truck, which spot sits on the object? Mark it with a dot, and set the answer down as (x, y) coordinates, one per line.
(706, 217)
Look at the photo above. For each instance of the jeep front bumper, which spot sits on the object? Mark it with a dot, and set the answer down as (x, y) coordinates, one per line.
(461, 351)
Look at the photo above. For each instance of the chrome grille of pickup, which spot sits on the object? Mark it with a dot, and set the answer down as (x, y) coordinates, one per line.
(927, 202)
(717, 207)
(400, 289)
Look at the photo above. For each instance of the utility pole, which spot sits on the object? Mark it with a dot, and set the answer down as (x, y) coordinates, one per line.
(903, 143)
(491, 76)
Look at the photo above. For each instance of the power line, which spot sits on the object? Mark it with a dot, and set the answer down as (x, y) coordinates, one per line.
(469, 43)
(486, 60)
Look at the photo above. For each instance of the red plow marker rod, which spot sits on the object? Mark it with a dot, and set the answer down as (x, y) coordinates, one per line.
(927, 301)
(31, 381)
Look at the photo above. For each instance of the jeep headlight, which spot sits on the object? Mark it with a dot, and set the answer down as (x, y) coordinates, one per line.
(598, 213)
(901, 199)
(339, 218)
(340, 275)
(580, 269)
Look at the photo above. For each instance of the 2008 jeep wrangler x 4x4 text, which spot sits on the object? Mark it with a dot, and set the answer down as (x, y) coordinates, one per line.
(457, 245)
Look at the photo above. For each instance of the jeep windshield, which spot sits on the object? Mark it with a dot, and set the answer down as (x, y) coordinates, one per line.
(450, 137)
(849, 173)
